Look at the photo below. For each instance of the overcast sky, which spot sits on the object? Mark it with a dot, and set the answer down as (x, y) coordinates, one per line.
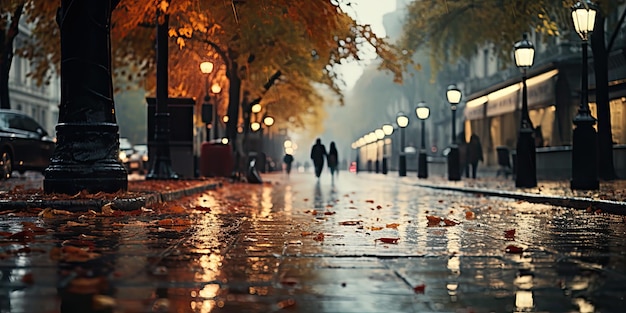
(367, 12)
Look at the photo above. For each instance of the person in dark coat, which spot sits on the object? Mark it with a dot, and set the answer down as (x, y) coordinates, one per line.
(318, 154)
(474, 153)
(288, 159)
(333, 159)
(463, 159)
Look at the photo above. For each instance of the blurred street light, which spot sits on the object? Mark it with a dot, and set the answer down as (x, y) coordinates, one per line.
(453, 95)
(422, 111)
(584, 141)
(526, 166)
(403, 121)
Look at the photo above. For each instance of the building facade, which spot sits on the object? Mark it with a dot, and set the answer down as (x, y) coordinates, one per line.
(493, 107)
(38, 102)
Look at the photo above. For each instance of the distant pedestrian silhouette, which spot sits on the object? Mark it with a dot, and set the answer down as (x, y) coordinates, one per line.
(318, 154)
(474, 153)
(332, 158)
(288, 159)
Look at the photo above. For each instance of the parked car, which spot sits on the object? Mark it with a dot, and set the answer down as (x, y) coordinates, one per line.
(24, 144)
(142, 152)
(131, 161)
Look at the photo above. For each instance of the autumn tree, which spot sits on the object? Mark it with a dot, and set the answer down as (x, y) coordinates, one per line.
(30, 12)
(248, 41)
(453, 30)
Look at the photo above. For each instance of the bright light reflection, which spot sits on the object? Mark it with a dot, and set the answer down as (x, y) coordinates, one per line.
(206, 200)
(266, 202)
(210, 291)
(524, 300)
(584, 306)
(203, 306)
(288, 199)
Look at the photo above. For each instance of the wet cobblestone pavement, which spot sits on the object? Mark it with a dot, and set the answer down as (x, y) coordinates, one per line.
(360, 243)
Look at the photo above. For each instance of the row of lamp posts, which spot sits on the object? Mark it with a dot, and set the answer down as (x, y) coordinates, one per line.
(584, 145)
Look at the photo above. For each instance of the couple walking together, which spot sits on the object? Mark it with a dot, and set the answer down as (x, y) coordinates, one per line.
(318, 154)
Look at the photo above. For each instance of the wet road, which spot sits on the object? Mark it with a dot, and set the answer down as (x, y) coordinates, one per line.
(358, 243)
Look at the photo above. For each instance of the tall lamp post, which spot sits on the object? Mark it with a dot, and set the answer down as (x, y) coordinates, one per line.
(526, 164)
(215, 89)
(371, 139)
(403, 121)
(207, 109)
(584, 141)
(268, 121)
(422, 111)
(453, 94)
(380, 135)
(387, 130)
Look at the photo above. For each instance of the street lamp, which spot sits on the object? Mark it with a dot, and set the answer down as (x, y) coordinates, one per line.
(422, 111)
(215, 89)
(387, 130)
(371, 138)
(584, 141)
(380, 134)
(207, 109)
(453, 94)
(403, 121)
(526, 164)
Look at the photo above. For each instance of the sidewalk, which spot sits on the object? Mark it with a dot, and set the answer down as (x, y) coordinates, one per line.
(610, 198)
(27, 192)
(24, 193)
(358, 243)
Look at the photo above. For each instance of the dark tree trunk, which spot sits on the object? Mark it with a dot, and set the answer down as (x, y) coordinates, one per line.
(234, 92)
(7, 40)
(86, 156)
(606, 169)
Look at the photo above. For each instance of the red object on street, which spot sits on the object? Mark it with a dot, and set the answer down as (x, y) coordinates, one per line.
(216, 160)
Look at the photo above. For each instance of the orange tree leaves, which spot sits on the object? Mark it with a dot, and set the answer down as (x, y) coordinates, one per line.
(305, 42)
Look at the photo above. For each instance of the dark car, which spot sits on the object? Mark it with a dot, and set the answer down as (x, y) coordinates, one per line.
(24, 144)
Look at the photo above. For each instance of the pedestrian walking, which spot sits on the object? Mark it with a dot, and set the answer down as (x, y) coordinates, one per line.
(288, 159)
(474, 153)
(333, 159)
(318, 154)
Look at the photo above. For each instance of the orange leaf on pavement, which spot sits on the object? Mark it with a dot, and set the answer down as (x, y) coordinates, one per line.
(392, 225)
(419, 288)
(509, 234)
(350, 223)
(513, 249)
(389, 240)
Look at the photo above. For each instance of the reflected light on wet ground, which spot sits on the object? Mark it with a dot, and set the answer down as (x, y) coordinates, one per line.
(257, 248)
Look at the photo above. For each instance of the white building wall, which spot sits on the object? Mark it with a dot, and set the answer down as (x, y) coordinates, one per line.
(39, 102)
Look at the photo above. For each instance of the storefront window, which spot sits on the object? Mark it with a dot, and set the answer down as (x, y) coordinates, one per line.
(618, 119)
(543, 121)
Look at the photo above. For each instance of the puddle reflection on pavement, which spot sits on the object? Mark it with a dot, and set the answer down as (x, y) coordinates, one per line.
(358, 243)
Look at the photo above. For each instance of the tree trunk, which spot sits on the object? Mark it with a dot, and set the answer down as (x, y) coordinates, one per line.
(7, 40)
(606, 169)
(234, 92)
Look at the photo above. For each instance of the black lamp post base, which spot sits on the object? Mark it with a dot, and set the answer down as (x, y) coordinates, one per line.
(526, 162)
(584, 158)
(385, 166)
(86, 158)
(377, 166)
(454, 170)
(402, 166)
(72, 179)
(422, 165)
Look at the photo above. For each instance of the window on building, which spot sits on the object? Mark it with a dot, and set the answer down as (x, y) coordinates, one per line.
(618, 119)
